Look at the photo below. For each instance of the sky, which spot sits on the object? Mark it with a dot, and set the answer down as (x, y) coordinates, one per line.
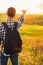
(32, 6)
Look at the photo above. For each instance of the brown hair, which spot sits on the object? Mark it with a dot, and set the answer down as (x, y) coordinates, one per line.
(11, 12)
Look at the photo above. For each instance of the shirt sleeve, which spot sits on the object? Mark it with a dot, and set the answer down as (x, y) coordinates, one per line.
(20, 21)
(1, 32)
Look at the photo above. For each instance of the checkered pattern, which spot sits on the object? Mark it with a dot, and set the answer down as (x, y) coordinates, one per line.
(10, 24)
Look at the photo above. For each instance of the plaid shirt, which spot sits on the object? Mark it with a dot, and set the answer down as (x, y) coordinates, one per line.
(10, 24)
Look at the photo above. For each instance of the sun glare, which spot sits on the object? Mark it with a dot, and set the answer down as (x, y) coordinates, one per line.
(32, 6)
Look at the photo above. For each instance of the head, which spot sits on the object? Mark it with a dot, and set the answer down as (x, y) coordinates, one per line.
(11, 12)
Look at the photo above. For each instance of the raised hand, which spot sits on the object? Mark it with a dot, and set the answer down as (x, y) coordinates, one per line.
(24, 11)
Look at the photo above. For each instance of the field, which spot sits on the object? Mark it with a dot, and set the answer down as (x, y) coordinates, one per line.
(32, 37)
(32, 52)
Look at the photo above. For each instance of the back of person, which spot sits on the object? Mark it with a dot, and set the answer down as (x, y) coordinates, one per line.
(12, 41)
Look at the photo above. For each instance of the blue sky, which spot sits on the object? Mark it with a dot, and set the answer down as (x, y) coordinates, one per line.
(32, 6)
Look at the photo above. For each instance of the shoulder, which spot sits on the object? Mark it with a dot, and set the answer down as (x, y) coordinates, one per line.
(1, 24)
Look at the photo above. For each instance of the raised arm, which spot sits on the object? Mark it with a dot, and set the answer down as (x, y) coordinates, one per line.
(20, 21)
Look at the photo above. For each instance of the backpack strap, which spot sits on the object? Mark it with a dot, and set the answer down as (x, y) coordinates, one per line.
(15, 25)
(5, 25)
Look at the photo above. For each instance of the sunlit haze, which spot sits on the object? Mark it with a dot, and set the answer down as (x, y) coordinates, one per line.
(32, 6)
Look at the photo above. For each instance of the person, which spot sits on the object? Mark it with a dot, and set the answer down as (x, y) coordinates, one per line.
(14, 57)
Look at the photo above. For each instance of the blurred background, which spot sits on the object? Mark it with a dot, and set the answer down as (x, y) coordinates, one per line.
(31, 30)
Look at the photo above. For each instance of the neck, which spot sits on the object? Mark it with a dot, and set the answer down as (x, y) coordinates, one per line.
(10, 18)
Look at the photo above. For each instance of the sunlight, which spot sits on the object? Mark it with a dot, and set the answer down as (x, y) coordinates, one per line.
(32, 6)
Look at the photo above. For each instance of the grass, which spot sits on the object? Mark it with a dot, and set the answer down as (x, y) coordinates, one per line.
(32, 37)
(32, 48)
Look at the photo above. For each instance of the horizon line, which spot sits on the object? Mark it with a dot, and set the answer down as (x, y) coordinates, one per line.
(25, 14)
